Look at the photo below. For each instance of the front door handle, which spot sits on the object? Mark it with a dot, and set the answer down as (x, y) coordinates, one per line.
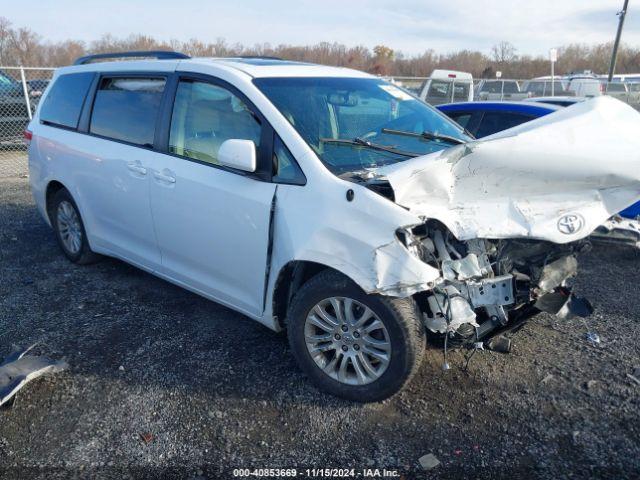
(137, 168)
(164, 176)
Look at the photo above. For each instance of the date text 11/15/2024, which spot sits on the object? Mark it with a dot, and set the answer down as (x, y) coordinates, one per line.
(316, 473)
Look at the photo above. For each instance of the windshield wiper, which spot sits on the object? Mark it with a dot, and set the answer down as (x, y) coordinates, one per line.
(425, 135)
(361, 142)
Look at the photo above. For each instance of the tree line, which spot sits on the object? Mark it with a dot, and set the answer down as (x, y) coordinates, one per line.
(23, 46)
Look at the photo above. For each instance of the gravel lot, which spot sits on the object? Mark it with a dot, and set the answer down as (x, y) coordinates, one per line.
(217, 390)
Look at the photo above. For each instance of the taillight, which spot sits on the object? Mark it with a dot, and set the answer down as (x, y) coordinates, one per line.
(28, 135)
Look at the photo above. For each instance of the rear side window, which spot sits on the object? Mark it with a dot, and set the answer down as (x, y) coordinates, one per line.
(500, 86)
(537, 88)
(126, 109)
(461, 90)
(63, 103)
(438, 89)
(511, 87)
(491, 87)
(461, 118)
(493, 122)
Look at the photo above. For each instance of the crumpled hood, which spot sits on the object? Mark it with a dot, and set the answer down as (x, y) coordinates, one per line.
(556, 178)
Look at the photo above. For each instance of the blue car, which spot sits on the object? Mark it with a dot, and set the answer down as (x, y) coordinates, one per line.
(482, 119)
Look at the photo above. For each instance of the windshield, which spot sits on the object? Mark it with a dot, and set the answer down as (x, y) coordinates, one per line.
(357, 123)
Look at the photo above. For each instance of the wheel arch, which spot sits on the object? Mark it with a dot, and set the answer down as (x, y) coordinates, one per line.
(290, 278)
(53, 187)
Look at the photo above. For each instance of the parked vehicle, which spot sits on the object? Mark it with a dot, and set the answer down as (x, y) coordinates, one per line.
(543, 87)
(413, 85)
(560, 101)
(634, 93)
(586, 86)
(482, 119)
(625, 77)
(617, 90)
(324, 201)
(37, 86)
(444, 86)
(13, 110)
(499, 90)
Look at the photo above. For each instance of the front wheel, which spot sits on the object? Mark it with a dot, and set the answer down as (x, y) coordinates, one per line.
(353, 345)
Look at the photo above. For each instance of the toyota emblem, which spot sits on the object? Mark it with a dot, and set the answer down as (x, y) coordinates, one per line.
(570, 223)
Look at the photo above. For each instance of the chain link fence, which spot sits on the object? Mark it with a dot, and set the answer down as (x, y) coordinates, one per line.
(450, 90)
(20, 92)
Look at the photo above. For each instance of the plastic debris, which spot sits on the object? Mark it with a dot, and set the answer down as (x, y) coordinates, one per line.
(593, 338)
(146, 437)
(633, 379)
(18, 369)
(429, 461)
(546, 378)
(500, 344)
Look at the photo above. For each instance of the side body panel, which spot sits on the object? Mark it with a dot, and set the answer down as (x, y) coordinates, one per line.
(212, 228)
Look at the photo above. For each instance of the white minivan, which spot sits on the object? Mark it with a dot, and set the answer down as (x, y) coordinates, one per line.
(323, 201)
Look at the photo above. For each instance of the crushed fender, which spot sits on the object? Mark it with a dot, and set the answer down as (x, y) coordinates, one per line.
(547, 179)
(18, 369)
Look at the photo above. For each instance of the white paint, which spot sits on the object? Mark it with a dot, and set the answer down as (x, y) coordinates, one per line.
(207, 229)
(240, 154)
(583, 160)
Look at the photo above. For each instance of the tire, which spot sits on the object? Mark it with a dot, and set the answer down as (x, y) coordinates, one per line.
(61, 212)
(404, 333)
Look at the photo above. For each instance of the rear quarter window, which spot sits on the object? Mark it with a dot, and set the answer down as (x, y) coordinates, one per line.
(63, 104)
(126, 109)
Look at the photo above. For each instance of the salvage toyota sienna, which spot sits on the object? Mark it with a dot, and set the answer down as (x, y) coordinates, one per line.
(328, 202)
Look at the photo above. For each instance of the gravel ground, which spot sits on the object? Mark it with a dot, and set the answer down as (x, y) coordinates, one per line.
(13, 160)
(217, 390)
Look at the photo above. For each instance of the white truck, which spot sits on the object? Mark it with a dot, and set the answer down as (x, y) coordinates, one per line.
(447, 86)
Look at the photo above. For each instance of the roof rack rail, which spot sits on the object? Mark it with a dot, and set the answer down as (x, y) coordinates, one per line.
(261, 57)
(158, 54)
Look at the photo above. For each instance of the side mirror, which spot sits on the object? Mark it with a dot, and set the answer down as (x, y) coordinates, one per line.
(240, 154)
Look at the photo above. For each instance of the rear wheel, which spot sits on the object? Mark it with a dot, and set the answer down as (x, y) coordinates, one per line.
(353, 345)
(70, 233)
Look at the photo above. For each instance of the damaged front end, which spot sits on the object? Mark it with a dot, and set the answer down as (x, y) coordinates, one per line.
(487, 284)
(505, 217)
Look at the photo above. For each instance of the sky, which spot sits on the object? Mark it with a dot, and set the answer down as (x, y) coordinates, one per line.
(409, 26)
